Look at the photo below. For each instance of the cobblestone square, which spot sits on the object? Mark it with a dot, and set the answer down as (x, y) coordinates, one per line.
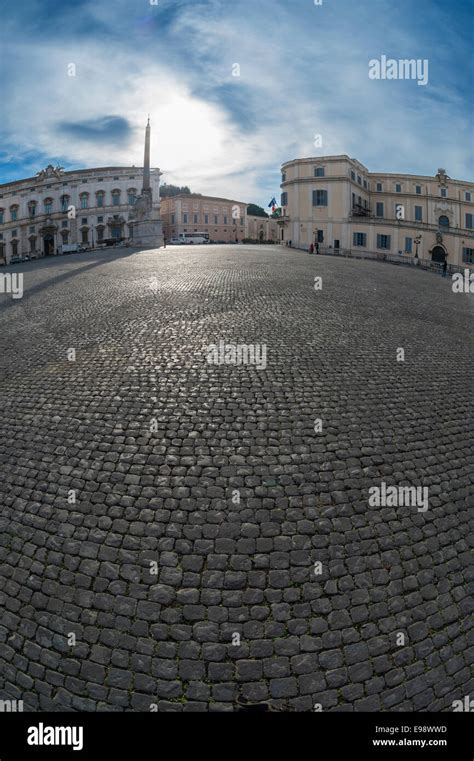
(178, 535)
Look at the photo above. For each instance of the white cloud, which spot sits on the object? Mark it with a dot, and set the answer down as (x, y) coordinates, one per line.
(301, 74)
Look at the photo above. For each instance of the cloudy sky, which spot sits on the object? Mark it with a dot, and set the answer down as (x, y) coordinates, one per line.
(303, 72)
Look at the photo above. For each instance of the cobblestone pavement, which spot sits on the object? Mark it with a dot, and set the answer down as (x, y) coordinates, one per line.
(206, 496)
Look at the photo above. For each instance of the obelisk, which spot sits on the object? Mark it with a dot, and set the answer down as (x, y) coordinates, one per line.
(146, 189)
(145, 223)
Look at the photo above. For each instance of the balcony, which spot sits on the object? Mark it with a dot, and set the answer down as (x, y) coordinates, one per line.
(360, 211)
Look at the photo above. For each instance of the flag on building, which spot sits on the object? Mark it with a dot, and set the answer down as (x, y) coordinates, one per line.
(273, 204)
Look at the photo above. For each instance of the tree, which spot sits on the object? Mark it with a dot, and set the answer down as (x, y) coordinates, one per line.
(256, 211)
(167, 191)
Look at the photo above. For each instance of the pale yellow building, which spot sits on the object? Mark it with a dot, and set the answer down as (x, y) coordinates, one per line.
(337, 202)
(222, 219)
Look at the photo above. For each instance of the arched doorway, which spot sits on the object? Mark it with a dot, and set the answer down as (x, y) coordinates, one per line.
(438, 254)
(48, 241)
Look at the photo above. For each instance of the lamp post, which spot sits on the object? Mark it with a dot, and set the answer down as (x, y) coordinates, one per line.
(417, 243)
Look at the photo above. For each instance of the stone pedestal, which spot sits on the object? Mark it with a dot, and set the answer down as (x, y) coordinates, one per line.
(147, 233)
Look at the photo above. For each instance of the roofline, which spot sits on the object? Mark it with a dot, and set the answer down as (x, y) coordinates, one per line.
(78, 171)
(337, 157)
(202, 197)
(344, 156)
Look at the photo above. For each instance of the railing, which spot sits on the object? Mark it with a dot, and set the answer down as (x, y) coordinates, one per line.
(361, 211)
(407, 261)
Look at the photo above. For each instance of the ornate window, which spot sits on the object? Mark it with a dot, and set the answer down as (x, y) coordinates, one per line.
(443, 221)
(2, 212)
(64, 203)
(32, 244)
(65, 236)
(14, 212)
(116, 197)
(32, 209)
(84, 199)
(48, 205)
(100, 195)
(85, 236)
(132, 196)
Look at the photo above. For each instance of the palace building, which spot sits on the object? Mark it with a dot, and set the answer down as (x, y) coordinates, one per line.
(336, 202)
(222, 219)
(55, 208)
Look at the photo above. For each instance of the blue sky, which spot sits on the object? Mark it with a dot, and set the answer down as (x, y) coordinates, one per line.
(303, 72)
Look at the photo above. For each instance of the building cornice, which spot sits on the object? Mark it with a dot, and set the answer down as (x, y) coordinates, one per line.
(72, 173)
(197, 197)
(370, 175)
(376, 193)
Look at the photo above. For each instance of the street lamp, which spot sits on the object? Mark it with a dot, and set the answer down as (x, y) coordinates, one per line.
(417, 243)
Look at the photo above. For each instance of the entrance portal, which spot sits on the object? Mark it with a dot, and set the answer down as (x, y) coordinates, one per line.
(48, 242)
(438, 254)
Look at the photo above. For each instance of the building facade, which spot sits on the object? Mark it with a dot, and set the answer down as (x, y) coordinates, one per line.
(336, 202)
(221, 218)
(261, 228)
(40, 215)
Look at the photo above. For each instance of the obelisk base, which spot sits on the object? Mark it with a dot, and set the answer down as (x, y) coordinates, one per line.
(147, 234)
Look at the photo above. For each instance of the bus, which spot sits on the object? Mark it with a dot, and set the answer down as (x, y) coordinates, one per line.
(194, 238)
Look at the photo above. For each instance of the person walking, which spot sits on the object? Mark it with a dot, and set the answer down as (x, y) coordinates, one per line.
(311, 248)
(445, 267)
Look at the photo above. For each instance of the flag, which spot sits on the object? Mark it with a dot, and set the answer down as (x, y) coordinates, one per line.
(273, 204)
